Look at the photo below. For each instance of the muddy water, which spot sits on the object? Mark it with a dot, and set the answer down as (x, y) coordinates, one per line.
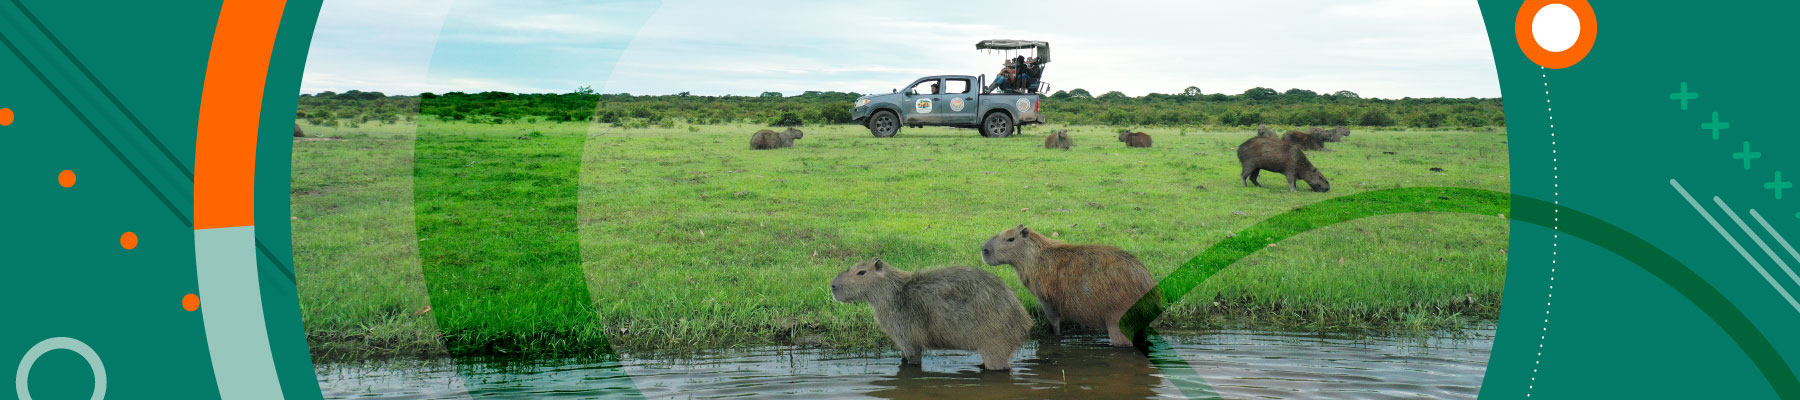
(1228, 364)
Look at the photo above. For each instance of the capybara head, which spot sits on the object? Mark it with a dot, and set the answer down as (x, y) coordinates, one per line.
(1316, 180)
(1012, 246)
(792, 133)
(1124, 134)
(862, 280)
(1336, 134)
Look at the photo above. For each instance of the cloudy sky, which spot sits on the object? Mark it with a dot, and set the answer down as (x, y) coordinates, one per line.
(1378, 48)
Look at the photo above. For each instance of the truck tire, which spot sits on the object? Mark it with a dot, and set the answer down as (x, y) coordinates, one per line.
(997, 125)
(884, 124)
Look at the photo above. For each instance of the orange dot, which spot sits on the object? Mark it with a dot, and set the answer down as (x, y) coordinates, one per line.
(66, 178)
(6, 116)
(128, 240)
(190, 302)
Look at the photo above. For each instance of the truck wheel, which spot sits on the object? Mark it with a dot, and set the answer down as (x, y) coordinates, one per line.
(884, 124)
(997, 125)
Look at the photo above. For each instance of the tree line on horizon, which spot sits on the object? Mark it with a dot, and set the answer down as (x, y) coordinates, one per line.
(1190, 107)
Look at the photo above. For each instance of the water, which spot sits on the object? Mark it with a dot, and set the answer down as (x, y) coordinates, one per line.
(1233, 364)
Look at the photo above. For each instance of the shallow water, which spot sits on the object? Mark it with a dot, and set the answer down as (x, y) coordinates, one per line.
(1232, 364)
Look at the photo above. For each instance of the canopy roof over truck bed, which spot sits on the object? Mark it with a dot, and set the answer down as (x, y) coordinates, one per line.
(1043, 48)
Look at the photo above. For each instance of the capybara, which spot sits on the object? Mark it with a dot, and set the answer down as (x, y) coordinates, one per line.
(1315, 138)
(955, 308)
(1135, 139)
(1058, 140)
(298, 132)
(1281, 157)
(1264, 131)
(767, 139)
(1090, 285)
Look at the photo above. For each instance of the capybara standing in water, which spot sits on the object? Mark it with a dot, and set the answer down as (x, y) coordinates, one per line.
(956, 308)
(297, 132)
(1058, 140)
(1281, 157)
(1135, 139)
(1090, 285)
(767, 139)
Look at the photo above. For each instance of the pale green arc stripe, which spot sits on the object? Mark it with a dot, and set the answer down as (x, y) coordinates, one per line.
(237, 338)
(1778, 239)
(1735, 244)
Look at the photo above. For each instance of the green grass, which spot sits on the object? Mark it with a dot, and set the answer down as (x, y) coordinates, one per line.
(688, 238)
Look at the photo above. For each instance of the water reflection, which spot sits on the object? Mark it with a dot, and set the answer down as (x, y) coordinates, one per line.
(1236, 364)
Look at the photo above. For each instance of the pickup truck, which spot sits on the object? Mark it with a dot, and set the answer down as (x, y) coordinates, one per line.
(948, 100)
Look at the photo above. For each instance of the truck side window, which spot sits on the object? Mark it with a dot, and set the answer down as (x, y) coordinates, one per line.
(956, 86)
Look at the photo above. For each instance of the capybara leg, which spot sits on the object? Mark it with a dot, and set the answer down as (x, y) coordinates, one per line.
(1291, 180)
(1254, 174)
(912, 355)
(1117, 336)
(1245, 176)
(996, 359)
(1053, 319)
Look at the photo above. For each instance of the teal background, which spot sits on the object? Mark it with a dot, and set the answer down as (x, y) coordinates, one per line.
(1616, 331)
(64, 271)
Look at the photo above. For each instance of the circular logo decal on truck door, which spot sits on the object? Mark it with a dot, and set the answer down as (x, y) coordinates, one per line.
(1024, 105)
(956, 104)
(923, 106)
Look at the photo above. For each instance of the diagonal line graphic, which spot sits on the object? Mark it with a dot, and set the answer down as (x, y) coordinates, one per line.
(104, 91)
(1735, 244)
(1759, 242)
(1779, 240)
(176, 211)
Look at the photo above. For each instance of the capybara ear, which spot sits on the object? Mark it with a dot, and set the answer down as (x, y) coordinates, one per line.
(878, 263)
(1023, 231)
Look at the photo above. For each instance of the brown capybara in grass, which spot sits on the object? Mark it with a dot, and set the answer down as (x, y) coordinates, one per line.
(298, 132)
(1090, 285)
(1135, 139)
(955, 308)
(1279, 156)
(1058, 140)
(1315, 138)
(767, 139)
(1264, 131)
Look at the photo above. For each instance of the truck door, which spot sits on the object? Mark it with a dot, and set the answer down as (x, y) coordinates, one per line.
(959, 104)
(924, 103)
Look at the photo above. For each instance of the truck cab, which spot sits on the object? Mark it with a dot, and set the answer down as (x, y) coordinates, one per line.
(948, 100)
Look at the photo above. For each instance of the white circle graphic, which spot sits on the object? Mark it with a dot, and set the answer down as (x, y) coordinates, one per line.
(1555, 27)
(60, 343)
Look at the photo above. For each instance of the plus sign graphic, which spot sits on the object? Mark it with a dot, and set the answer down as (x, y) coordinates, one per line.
(1778, 185)
(1746, 155)
(1684, 96)
(1715, 125)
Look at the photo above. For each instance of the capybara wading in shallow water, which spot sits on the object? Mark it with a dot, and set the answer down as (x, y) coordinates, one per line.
(1090, 285)
(1058, 140)
(767, 139)
(1135, 139)
(1279, 156)
(955, 308)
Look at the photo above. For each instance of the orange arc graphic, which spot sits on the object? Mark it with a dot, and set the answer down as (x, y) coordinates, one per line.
(230, 106)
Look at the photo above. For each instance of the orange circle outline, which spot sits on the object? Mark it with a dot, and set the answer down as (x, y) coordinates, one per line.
(1561, 59)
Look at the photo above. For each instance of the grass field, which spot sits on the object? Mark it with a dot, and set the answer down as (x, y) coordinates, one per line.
(689, 239)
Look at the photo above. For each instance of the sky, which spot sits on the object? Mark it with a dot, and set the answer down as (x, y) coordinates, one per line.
(1376, 48)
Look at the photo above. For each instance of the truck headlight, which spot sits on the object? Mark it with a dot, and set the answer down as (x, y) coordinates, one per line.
(862, 102)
